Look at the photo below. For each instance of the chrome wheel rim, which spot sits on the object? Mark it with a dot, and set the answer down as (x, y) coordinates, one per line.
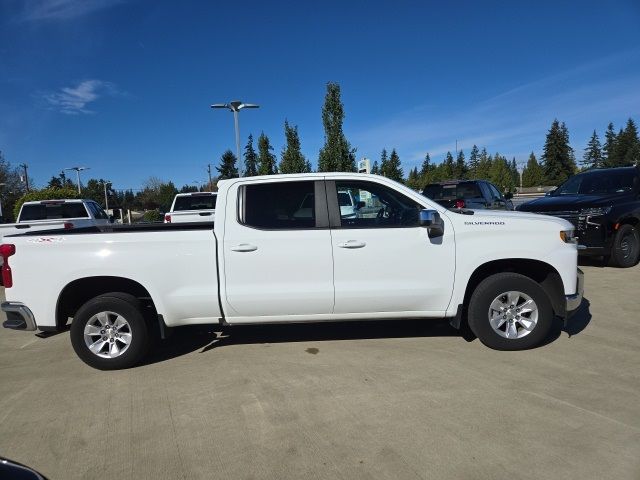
(107, 335)
(625, 246)
(513, 315)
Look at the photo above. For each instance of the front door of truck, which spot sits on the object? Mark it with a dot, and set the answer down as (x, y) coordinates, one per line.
(277, 251)
(383, 260)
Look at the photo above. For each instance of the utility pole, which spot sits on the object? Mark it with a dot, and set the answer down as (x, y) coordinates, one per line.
(26, 176)
(210, 182)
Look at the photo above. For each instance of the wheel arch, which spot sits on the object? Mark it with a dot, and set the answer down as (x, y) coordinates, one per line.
(79, 291)
(543, 273)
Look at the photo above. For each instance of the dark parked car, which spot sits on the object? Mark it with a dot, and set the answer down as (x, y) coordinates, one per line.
(472, 194)
(604, 206)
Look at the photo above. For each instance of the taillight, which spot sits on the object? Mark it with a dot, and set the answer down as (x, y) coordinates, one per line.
(460, 203)
(6, 250)
(167, 218)
(68, 225)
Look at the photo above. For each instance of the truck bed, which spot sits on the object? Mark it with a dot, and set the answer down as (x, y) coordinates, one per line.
(117, 228)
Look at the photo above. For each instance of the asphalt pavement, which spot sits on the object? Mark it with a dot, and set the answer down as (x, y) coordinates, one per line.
(383, 400)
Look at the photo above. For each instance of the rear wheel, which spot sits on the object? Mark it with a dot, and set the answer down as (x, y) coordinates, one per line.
(509, 311)
(109, 332)
(626, 247)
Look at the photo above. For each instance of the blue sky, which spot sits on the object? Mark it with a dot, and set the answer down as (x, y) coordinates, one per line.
(124, 87)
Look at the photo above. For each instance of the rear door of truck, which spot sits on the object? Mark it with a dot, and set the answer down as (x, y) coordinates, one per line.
(277, 258)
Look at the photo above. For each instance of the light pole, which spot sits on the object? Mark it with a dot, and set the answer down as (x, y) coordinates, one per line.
(235, 106)
(78, 170)
(106, 198)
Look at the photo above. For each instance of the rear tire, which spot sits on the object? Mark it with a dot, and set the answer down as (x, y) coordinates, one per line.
(626, 247)
(109, 332)
(509, 311)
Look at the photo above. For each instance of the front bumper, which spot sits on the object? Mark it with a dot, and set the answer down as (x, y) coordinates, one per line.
(574, 301)
(19, 317)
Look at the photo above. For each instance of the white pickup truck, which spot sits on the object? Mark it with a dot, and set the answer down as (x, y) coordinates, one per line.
(192, 207)
(50, 214)
(267, 260)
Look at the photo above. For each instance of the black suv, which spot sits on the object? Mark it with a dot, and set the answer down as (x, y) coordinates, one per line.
(472, 194)
(604, 206)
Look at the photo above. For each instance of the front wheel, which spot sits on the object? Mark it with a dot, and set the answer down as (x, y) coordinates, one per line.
(509, 311)
(626, 247)
(109, 332)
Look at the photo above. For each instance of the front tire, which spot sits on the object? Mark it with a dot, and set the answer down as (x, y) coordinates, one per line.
(109, 332)
(509, 311)
(626, 247)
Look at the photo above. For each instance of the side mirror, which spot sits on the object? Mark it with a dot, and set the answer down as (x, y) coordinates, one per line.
(433, 221)
(360, 205)
(508, 196)
(549, 193)
(111, 219)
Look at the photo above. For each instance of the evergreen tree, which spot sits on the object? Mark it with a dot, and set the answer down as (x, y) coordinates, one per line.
(483, 171)
(627, 146)
(460, 168)
(266, 159)
(427, 171)
(592, 157)
(532, 175)
(448, 168)
(501, 173)
(250, 159)
(393, 168)
(55, 182)
(336, 155)
(292, 160)
(515, 175)
(413, 181)
(557, 158)
(609, 149)
(375, 170)
(384, 162)
(474, 162)
(227, 168)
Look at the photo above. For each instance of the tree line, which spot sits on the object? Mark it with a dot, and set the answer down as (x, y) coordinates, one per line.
(556, 164)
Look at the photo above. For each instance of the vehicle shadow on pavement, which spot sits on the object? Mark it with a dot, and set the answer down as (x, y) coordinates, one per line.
(204, 338)
(574, 325)
(188, 339)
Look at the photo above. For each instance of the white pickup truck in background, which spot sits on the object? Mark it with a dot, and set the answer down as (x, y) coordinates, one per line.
(267, 260)
(192, 207)
(52, 214)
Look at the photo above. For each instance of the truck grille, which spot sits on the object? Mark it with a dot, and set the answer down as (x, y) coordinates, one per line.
(573, 216)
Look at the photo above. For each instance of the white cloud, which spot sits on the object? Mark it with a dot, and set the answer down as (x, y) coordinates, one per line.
(35, 10)
(75, 100)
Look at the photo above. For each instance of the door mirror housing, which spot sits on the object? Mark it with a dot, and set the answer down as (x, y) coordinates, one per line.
(111, 218)
(360, 205)
(433, 222)
(508, 196)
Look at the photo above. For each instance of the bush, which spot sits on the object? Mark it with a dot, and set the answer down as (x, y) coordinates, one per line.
(153, 216)
(52, 193)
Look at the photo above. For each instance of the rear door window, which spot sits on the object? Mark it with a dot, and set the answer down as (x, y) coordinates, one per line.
(453, 191)
(53, 211)
(279, 206)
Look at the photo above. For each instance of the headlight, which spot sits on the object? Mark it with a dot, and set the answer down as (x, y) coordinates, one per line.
(595, 212)
(568, 236)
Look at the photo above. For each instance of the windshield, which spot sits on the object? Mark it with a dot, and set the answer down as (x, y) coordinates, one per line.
(195, 202)
(452, 191)
(597, 183)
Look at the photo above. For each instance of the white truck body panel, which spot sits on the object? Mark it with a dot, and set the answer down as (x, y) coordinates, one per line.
(291, 275)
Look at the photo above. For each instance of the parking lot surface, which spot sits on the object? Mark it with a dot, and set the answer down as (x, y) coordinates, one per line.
(383, 400)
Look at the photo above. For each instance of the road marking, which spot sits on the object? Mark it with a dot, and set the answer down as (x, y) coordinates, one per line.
(29, 343)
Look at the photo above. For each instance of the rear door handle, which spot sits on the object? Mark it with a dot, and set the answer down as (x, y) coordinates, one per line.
(352, 244)
(244, 247)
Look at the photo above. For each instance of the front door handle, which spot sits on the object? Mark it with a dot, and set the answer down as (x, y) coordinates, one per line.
(352, 244)
(244, 247)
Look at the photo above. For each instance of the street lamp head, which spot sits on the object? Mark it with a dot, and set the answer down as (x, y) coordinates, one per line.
(219, 105)
(235, 106)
